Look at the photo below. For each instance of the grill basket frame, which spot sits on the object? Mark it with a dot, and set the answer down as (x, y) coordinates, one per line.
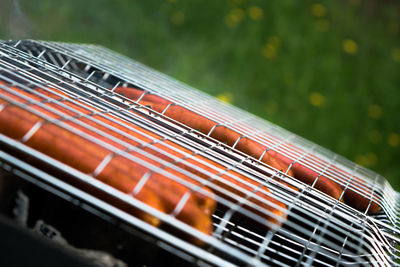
(319, 230)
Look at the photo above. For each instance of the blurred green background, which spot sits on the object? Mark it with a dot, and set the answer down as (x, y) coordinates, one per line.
(326, 70)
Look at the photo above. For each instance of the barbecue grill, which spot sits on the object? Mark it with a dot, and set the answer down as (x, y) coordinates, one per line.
(314, 228)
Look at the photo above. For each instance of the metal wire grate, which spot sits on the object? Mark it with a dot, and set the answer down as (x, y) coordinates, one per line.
(313, 228)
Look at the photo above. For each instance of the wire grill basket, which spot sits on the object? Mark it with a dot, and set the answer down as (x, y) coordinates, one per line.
(73, 87)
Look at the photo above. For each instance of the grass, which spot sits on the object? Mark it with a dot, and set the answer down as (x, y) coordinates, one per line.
(326, 70)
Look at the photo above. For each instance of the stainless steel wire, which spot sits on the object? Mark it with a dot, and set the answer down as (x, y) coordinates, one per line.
(318, 226)
(333, 176)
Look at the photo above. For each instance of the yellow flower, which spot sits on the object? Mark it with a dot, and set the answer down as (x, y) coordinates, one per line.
(318, 10)
(237, 2)
(355, 2)
(230, 22)
(269, 51)
(271, 107)
(226, 97)
(177, 17)
(375, 136)
(374, 111)
(393, 28)
(234, 17)
(274, 40)
(396, 55)
(360, 160)
(288, 78)
(393, 139)
(255, 13)
(317, 99)
(322, 25)
(349, 46)
(372, 159)
(367, 160)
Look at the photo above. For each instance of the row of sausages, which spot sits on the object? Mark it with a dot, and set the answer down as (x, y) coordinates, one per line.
(365, 203)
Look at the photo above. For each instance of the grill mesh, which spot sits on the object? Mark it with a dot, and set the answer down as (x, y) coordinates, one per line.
(316, 230)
